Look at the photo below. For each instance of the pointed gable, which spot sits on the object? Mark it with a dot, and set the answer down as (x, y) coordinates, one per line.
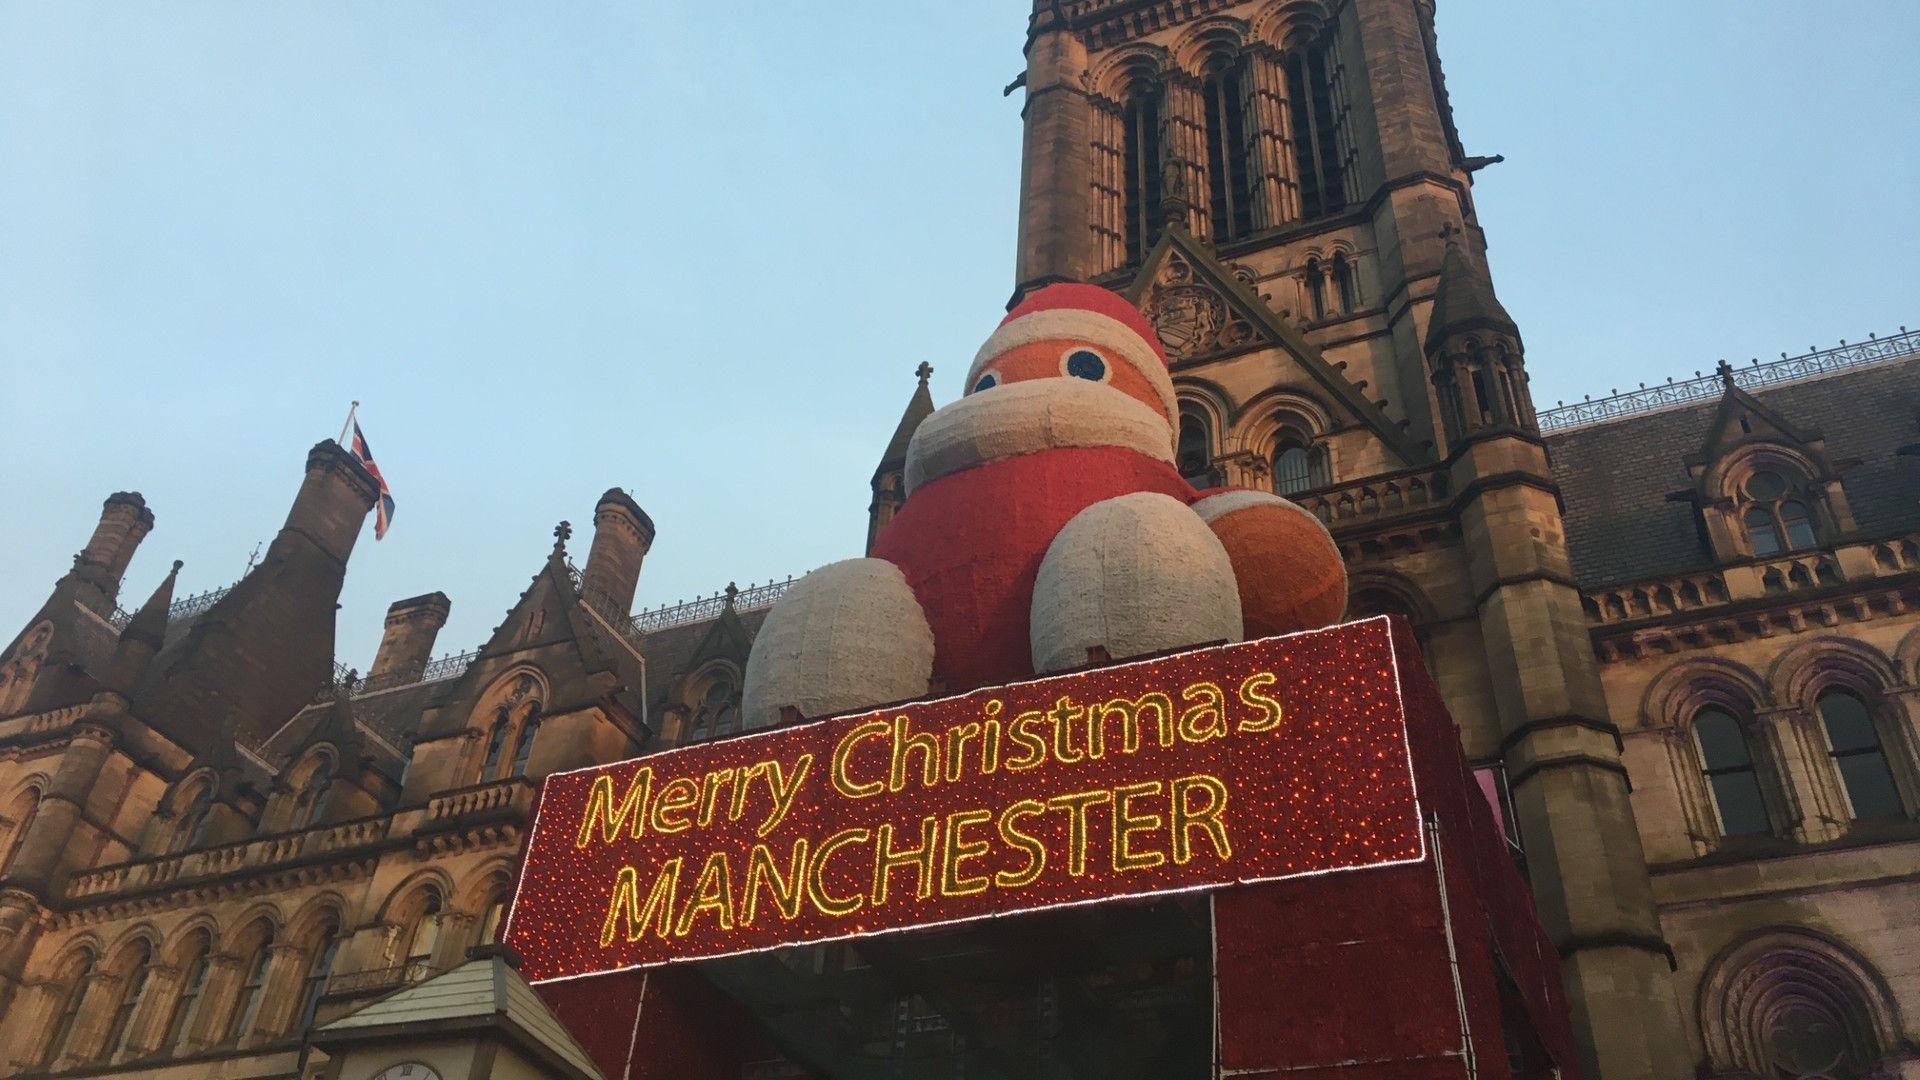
(1742, 418)
(1201, 308)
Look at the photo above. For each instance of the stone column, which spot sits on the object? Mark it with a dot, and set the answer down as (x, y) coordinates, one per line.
(1816, 810)
(1563, 758)
(1108, 187)
(1183, 146)
(52, 838)
(1276, 182)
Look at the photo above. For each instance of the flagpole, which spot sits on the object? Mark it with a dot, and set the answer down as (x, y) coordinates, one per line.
(344, 428)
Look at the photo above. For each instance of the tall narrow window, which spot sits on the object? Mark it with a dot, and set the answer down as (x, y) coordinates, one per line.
(1315, 140)
(1316, 280)
(426, 935)
(194, 822)
(23, 811)
(193, 985)
(317, 974)
(1859, 757)
(1195, 454)
(131, 995)
(1727, 761)
(1292, 468)
(1777, 518)
(311, 805)
(496, 744)
(82, 977)
(490, 920)
(1343, 286)
(246, 1008)
(523, 746)
(1231, 204)
(716, 715)
(1142, 120)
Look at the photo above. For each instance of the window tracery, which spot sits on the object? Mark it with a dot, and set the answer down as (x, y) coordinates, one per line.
(717, 712)
(1788, 1004)
(1776, 514)
(132, 992)
(1859, 757)
(77, 977)
(1728, 765)
(246, 1005)
(197, 956)
(516, 714)
(1195, 450)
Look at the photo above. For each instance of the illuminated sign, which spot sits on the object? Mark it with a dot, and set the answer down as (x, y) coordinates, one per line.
(1239, 763)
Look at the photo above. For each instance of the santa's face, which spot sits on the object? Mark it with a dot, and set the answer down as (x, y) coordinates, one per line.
(1065, 358)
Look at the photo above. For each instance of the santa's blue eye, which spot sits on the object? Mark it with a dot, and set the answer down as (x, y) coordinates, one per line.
(1086, 364)
(987, 382)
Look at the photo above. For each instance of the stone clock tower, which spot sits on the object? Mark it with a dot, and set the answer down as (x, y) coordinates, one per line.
(1281, 187)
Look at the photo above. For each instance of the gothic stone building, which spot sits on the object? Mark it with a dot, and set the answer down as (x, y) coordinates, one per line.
(1676, 625)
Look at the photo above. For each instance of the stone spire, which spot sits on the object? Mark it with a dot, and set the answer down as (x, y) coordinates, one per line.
(1464, 300)
(889, 478)
(144, 635)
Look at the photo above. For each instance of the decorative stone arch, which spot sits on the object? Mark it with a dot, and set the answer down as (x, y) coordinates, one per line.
(501, 714)
(1801, 673)
(1116, 74)
(1384, 592)
(1763, 993)
(1722, 491)
(403, 899)
(709, 699)
(299, 798)
(427, 895)
(17, 812)
(67, 979)
(22, 667)
(1278, 419)
(484, 895)
(1907, 658)
(1200, 443)
(1671, 705)
(304, 927)
(1806, 673)
(246, 934)
(117, 954)
(1288, 24)
(184, 809)
(179, 944)
(86, 945)
(1206, 44)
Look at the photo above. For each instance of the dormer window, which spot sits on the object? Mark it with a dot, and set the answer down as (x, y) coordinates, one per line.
(1776, 516)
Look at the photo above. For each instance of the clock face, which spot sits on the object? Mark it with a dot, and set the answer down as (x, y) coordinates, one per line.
(407, 1070)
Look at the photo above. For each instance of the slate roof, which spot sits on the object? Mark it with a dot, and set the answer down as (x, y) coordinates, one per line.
(486, 991)
(1615, 476)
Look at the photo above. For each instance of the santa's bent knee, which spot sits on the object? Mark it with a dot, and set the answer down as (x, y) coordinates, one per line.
(849, 635)
(1133, 575)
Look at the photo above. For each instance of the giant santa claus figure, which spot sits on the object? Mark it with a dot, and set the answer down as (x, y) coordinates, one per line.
(1045, 527)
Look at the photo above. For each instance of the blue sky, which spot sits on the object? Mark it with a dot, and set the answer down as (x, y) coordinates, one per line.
(554, 248)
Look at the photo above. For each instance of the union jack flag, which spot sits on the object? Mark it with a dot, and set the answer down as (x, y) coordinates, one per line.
(382, 510)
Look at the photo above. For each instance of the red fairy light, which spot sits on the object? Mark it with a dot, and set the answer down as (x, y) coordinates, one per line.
(1234, 764)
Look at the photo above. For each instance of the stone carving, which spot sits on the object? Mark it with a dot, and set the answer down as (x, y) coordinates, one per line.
(1191, 317)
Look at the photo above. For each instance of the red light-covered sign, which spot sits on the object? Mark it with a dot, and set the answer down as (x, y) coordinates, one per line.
(1241, 763)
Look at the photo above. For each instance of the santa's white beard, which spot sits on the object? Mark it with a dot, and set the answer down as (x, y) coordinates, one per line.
(1028, 417)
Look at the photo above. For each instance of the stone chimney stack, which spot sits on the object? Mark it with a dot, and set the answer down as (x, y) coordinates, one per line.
(333, 501)
(124, 522)
(407, 644)
(622, 536)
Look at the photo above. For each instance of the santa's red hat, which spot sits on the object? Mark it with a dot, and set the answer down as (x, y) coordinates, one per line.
(1088, 313)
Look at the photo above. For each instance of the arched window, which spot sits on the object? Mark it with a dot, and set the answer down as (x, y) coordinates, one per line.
(1727, 764)
(523, 745)
(1229, 194)
(318, 971)
(496, 743)
(1777, 516)
(131, 994)
(424, 935)
(25, 808)
(490, 919)
(1858, 756)
(246, 1008)
(1296, 467)
(718, 712)
(1140, 117)
(191, 831)
(1788, 1004)
(1316, 280)
(1195, 453)
(311, 804)
(1344, 287)
(79, 976)
(193, 987)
